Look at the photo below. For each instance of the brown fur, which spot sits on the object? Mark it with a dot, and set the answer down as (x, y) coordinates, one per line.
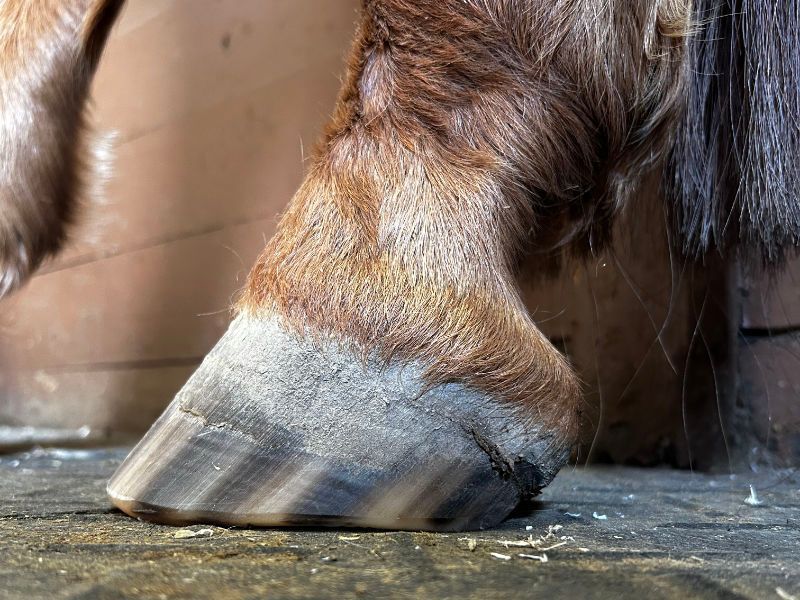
(468, 135)
(48, 52)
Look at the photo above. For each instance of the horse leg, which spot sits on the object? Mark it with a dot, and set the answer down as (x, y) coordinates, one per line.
(382, 370)
(48, 53)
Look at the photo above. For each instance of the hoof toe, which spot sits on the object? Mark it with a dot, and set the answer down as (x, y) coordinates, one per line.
(275, 430)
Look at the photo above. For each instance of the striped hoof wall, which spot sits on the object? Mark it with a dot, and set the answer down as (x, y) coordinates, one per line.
(275, 430)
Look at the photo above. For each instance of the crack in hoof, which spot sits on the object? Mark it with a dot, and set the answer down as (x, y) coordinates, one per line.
(526, 476)
(205, 421)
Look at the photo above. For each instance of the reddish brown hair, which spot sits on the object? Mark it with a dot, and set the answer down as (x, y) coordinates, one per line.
(468, 135)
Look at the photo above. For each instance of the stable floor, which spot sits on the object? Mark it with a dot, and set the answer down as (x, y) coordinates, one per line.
(595, 533)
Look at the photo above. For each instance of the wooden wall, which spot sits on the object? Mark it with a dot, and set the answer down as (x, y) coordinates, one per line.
(766, 416)
(213, 102)
(624, 320)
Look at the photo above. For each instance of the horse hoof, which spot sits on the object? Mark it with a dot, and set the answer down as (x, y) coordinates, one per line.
(274, 429)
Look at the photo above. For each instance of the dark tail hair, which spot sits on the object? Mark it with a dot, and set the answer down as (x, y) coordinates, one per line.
(734, 177)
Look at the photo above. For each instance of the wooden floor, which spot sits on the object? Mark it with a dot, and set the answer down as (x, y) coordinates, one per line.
(606, 533)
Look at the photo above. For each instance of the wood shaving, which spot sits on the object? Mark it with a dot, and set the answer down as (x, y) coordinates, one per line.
(537, 543)
(784, 594)
(752, 499)
(539, 557)
(183, 534)
(551, 531)
(516, 543)
(499, 556)
(558, 545)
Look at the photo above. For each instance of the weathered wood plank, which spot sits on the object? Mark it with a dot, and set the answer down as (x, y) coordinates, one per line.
(767, 424)
(228, 147)
(772, 302)
(666, 534)
(169, 301)
(129, 398)
(195, 54)
(235, 162)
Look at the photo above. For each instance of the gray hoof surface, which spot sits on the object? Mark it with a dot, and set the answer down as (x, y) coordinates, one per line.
(275, 430)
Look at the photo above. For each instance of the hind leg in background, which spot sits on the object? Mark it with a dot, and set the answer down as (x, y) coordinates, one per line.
(48, 53)
(382, 370)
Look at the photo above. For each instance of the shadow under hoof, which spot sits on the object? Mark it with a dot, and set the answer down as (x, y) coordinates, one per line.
(274, 429)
